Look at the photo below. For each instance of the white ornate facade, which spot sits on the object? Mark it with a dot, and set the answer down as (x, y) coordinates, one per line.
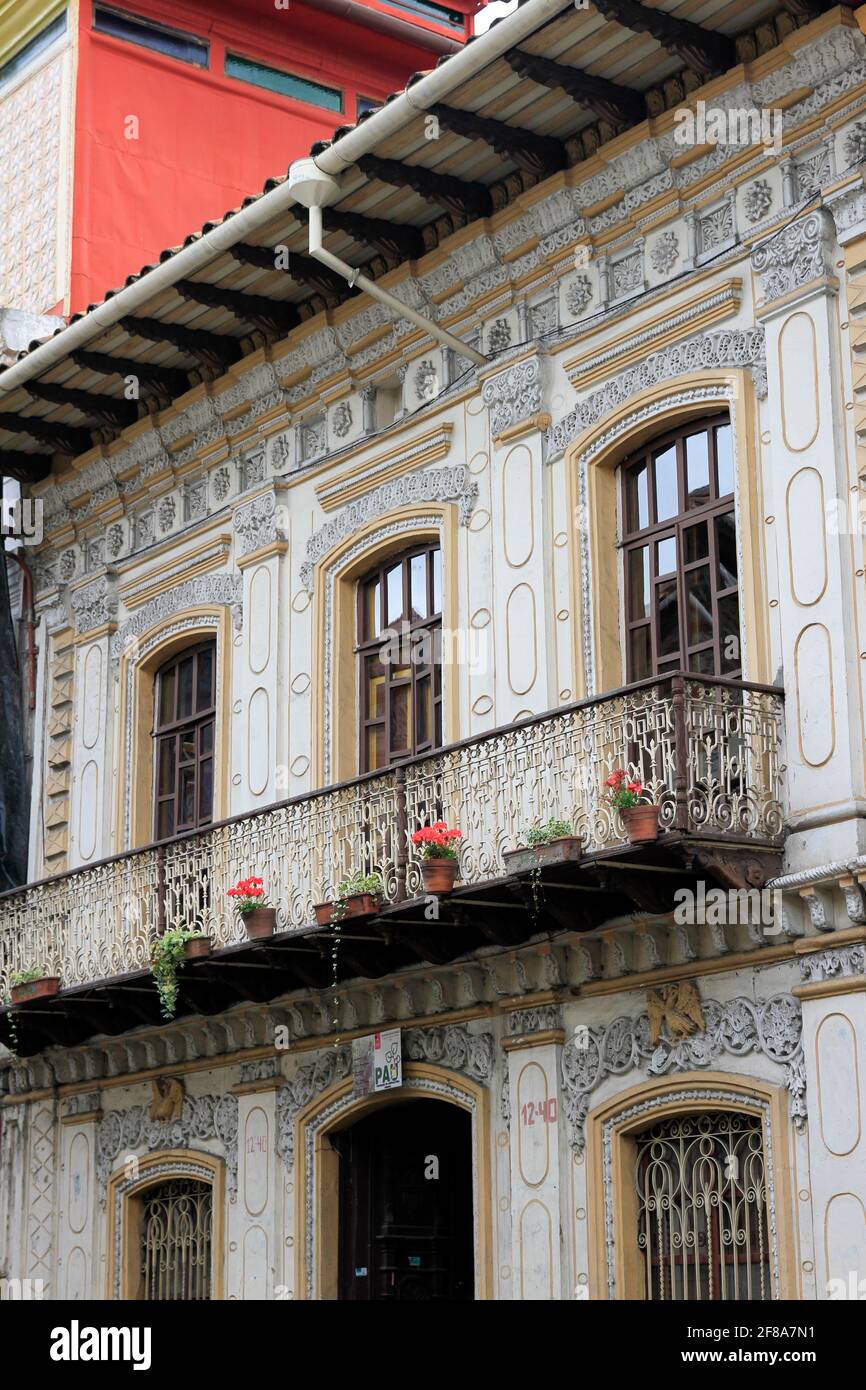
(248, 512)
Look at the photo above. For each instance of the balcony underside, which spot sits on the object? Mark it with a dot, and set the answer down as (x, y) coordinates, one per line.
(504, 912)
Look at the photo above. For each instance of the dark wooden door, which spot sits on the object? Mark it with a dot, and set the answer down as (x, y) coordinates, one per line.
(406, 1204)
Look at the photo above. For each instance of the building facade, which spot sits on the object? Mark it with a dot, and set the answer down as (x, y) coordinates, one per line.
(124, 127)
(622, 535)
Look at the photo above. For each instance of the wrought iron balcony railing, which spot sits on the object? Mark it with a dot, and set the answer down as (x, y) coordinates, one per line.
(707, 751)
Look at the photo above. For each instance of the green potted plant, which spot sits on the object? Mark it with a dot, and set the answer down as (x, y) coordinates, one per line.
(359, 895)
(167, 954)
(35, 983)
(548, 842)
(439, 861)
(640, 816)
(259, 918)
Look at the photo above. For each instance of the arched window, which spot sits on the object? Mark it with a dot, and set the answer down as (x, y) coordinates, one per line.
(175, 1241)
(184, 717)
(399, 650)
(702, 1203)
(680, 553)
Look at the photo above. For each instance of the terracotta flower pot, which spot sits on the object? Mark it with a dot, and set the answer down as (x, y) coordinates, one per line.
(562, 851)
(262, 921)
(438, 874)
(43, 988)
(641, 822)
(197, 947)
(358, 905)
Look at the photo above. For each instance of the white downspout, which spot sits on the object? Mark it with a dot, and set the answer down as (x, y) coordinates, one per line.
(353, 276)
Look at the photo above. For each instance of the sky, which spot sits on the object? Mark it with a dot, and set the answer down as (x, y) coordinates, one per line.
(493, 11)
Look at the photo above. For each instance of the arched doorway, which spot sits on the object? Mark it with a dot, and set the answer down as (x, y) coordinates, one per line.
(405, 1204)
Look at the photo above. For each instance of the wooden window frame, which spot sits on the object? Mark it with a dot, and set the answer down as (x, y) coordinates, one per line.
(368, 645)
(635, 537)
(198, 720)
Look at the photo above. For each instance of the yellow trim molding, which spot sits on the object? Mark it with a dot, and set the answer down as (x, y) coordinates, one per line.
(326, 1171)
(737, 1089)
(124, 1243)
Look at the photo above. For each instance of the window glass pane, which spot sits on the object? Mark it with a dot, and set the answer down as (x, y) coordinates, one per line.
(724, 460)
(205, 811)
(726, 549)
(638, 498)
(204, 680)
(666, 555)
(165, 780)
(165, 820)
(437, 581)
(667, 492)
(729, 634)
(697, 470)
(205, 738)
(376, 754)
(437, 724)
(184, 688)
(668, 618)
(639, 583)
(375, 688)
(699, 606)
(167, 687)
(697, 542)
(703, 661)
(186, 813)
(418, 586)
(371, 608)
(185, 47)
(394, 583)
(401, 718)
(186, 751)
(284, 83)
(424, 711)
(641, 654)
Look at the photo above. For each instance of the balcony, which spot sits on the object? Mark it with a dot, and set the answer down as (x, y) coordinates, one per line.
(708, 752)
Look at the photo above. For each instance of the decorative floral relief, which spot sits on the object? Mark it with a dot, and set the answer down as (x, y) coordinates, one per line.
(626, 275)
(716, 229)
(221, 484)
(426, 380)
(757, 200)
(578, 295)
(202, 1118)
(166, 513)
(741, 1026)
(434, 485)
(664, 252)
(854, 144)
(342, 419)
(500, 336)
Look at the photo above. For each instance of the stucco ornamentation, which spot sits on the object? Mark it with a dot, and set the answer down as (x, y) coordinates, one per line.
(256, 524)
(772, 1028)
(223, 589)
(203, 1118)
(794, 256)
(833, 963)
(433, 485)
(664, 253)
(757, 200)
(94, 605)
(732, 347)
(514, 395)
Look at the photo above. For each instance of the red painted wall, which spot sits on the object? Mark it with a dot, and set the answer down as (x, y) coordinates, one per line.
(204, 141)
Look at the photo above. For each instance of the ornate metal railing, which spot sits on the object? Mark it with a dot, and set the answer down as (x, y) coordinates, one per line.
(708, 752)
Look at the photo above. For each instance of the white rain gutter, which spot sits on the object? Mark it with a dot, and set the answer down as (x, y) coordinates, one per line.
(437, 84)
(353, 276)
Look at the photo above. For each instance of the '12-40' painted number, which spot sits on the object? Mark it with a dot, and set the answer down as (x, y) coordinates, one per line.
(545, 1111)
